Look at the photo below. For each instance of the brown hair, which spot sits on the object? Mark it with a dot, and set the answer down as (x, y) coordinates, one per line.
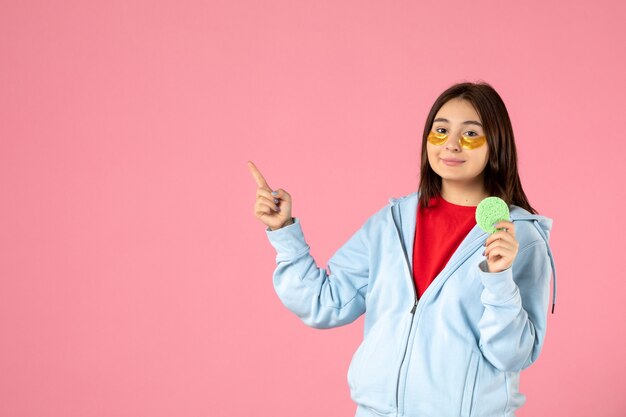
(500, 175)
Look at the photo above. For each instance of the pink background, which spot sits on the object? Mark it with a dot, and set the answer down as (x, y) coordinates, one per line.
(134, 278)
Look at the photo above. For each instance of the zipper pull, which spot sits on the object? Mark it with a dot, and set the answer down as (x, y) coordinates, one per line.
(414, 307)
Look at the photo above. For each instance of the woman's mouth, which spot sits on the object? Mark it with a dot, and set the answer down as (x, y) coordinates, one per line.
(452, 162)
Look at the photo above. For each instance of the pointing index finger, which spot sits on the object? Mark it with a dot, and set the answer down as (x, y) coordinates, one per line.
(258, 177)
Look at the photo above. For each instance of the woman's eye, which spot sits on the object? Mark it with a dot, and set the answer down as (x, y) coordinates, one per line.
(440, 130)
(471, 134)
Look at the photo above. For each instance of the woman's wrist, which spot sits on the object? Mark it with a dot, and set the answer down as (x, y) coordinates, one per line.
(287, 223)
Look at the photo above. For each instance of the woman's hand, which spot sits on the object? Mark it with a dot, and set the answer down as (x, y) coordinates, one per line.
(272, 208)
(501, 247)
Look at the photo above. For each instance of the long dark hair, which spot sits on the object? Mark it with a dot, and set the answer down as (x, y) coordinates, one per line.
(501, 176)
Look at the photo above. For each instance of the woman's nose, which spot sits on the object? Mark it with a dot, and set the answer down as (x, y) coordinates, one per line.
(453, 143)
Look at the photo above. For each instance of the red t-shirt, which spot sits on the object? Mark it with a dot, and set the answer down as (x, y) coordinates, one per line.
(440, 230)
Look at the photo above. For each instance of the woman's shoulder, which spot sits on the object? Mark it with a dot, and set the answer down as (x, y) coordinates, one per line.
(530, 228)
(382, 218)
(404, 198)
(404, 202)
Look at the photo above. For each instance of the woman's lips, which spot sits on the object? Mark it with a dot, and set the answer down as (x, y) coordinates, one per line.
(452, 162)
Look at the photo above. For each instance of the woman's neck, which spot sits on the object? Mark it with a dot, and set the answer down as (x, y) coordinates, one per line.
(463, 194)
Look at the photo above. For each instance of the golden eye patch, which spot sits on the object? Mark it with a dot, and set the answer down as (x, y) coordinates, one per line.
(472, 142)
(437, 138)
(466, 142)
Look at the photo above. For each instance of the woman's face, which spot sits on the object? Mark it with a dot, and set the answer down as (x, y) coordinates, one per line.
(457, 148)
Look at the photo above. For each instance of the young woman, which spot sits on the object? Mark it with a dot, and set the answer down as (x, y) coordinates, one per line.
(453, 314)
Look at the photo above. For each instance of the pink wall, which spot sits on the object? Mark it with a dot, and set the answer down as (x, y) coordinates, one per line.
(134, 278)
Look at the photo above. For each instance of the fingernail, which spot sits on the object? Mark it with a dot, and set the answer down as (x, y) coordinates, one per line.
(276, 200)
(274, 192)
(278, 209)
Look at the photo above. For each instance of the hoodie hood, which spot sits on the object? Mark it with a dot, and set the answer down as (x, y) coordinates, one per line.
(406, 208)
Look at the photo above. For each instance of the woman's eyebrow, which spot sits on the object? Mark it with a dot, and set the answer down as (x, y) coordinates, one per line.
(472, 122)
(467, 122)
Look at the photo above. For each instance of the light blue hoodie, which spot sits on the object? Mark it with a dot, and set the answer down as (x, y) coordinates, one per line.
(459, 350)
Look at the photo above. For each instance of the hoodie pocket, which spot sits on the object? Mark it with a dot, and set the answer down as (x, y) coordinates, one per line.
(366, 356)
(470, 385)
(373, 373)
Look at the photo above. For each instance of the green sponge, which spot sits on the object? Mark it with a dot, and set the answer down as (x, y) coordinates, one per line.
(490, 211)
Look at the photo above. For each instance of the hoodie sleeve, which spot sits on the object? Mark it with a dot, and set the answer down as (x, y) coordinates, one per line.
(322, 299)
(513, 325)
